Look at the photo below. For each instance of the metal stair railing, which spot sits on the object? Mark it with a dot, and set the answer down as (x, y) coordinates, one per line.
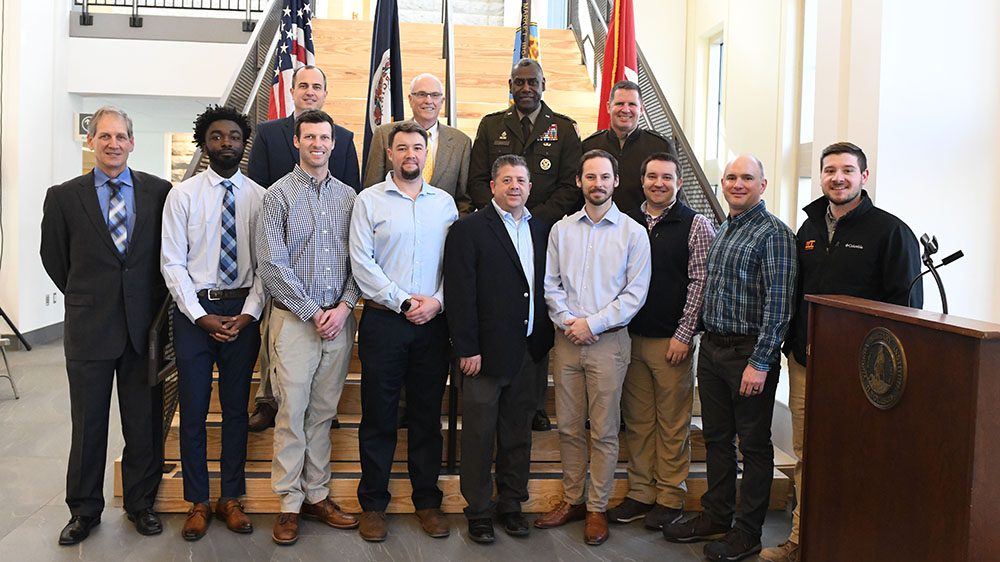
(658, 115)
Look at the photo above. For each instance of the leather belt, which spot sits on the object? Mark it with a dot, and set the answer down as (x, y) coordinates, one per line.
(728, 340)
(279, 305)
(613, 330)
(378, 306)
(224, 294)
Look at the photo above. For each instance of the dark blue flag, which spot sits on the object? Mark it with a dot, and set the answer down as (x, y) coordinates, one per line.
(385, 82)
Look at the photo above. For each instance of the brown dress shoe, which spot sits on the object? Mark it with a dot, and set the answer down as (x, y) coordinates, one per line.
(231, 511)
(434, 522)
(372, 526)
(595, 530)
(262, 417)
(330, 513)
(562, 514)
(196, 523)
(286, 529)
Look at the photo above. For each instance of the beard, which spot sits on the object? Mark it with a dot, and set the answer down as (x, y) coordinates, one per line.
(225, 161)
(409, 175)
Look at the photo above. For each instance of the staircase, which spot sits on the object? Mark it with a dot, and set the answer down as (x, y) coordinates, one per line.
(482, 69)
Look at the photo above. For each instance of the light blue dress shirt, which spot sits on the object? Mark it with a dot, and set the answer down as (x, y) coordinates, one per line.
(127, 191)
(520, 236)
(397, 243)
(597, 271)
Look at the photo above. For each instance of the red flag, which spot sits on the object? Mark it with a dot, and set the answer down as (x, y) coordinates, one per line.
(620, 62)
(295, 49)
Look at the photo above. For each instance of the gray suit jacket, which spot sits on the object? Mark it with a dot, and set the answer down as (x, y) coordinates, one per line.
(451, 163)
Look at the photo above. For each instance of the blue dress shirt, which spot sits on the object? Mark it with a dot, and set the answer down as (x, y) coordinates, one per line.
(127, 191)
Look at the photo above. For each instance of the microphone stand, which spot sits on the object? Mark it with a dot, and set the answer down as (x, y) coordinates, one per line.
(930, 245)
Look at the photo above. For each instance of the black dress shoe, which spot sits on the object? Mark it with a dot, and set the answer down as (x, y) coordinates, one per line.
(541, 421)
(77, 529)
(481, 530)
(515, 524)
(147, 522)
(335, 423)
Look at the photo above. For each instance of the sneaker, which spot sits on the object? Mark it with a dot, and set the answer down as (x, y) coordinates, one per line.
(736, 545)
(628, 511)
(661, 516)
(784, 552)
(693, 529)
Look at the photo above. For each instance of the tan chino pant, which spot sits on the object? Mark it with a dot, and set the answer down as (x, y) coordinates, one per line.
(588, 382)
(797, 405)
(656, 404)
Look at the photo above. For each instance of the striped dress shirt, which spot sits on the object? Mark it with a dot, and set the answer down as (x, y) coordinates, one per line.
(750, 290)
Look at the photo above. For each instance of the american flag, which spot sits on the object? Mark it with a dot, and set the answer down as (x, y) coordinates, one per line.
(295, 49)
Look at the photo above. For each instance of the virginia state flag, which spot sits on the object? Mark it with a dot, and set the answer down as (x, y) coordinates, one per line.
(385, 83)
(619, 56)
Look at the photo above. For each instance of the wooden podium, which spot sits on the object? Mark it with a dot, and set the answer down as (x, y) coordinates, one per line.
(914, 480)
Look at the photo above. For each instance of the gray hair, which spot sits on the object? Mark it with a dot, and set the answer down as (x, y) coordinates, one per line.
(416, 78)
(108, 110)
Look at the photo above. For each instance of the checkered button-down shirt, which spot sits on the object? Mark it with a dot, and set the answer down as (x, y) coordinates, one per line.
(302, 243)
(750, 290)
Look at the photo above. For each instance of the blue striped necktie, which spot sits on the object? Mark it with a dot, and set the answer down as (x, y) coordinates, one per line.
(117, 217)
(227, 255)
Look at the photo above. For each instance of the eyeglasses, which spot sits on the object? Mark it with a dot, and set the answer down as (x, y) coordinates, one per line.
(424, 95)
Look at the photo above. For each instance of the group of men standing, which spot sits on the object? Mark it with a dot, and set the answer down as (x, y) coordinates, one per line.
(274, 264)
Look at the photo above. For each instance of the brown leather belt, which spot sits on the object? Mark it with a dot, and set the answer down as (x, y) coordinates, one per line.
(224, 294)
(613, 330)
(279, 305)
(378, 306)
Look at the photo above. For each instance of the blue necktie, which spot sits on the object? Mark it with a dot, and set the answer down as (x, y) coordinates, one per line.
(227, 255)
(117, 217)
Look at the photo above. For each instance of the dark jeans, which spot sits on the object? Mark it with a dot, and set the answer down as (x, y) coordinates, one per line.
(395, 354)
(500, 409)
(141, 411)
(725, 414)
(197, 353)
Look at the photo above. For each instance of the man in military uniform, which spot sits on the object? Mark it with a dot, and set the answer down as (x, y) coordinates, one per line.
(629, 144)
(548, 140)
(550, 143)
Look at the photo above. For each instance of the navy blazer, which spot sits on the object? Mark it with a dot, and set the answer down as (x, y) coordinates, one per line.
(110, 300)
(273, 154)
(485, 293)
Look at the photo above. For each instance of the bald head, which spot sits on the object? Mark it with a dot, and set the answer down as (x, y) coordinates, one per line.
(743, 183)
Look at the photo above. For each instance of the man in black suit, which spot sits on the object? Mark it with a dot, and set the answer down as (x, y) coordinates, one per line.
(101, 246)
(494, 270)
(272, 155)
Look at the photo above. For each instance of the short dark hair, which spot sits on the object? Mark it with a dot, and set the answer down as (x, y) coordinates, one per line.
(314, 116)
(596, 153)
(509, 160)
(846, 148)
(215, 113)
(625, 85)
(659, 157)
(521, 63)
(406, 127)
(309, 67)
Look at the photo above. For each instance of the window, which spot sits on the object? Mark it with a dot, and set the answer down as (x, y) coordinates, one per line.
(714, 142)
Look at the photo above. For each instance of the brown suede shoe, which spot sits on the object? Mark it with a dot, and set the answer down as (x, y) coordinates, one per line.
(434, 522)
(196, 523)
(330, 513)
(595, 530)
(231, 511)
(372, 526)
(262, 417)
(562, 514)
(286, 529)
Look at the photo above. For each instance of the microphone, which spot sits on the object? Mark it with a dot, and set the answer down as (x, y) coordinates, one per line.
(930, 245)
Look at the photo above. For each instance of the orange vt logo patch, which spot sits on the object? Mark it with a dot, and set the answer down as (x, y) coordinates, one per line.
(810, 245)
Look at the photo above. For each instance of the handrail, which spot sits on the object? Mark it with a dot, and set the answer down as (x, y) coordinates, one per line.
(658, 115)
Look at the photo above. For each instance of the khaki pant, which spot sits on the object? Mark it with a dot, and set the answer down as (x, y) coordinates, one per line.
(588, 382)
(797, 405)
(309, 375)
(656, 404)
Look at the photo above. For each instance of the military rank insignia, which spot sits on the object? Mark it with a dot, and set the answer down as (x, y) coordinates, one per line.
(551, 135)
(502, 141)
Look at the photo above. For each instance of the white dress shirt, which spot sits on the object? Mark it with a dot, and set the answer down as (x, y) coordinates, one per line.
(597, 271)
(192, 239)
(397, 243)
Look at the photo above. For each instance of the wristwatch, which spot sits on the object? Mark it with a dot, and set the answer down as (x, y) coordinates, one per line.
(405, 307)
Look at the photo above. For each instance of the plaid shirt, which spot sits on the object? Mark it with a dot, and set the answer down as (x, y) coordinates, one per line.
(302, 243)
(750, 290)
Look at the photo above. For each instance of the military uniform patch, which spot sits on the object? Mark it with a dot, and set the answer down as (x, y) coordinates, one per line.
(545, 164)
